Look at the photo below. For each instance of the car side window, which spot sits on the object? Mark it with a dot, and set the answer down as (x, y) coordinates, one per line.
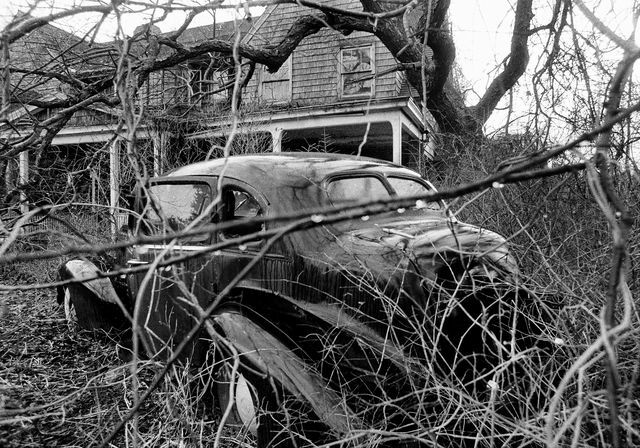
(173, 206)
(239, 205)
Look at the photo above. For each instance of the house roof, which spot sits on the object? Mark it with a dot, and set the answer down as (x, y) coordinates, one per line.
(218, 30)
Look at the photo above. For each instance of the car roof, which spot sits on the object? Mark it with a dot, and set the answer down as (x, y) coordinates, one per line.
(310, 165)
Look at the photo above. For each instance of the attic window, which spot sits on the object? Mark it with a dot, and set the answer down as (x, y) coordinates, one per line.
(357, 68)
(276, 87)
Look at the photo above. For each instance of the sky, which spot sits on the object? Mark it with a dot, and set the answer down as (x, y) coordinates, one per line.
(79, 24)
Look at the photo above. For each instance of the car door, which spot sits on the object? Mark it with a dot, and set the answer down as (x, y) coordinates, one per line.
(244, 205)
(168, 298)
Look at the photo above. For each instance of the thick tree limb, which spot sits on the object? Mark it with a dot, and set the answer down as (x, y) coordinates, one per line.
(515, 67)
(272, 57)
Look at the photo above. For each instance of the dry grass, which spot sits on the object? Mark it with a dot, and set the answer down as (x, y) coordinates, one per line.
(61, 386)
(61, 375)
(73, 388)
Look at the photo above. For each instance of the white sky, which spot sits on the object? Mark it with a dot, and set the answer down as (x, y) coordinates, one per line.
(82, 23)
(481, 31)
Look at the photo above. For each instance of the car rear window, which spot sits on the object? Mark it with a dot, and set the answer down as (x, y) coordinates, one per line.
(354, 189)
(176, 205)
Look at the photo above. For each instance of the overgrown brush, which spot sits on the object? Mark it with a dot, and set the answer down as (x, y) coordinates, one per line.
(564, 244)
(539, 378)
(61, 386)
(554, 224)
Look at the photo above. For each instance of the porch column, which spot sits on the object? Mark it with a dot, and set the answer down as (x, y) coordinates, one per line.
(160, 142)
(23, 178)
(114, 185)
(396, 126)
(276, 137)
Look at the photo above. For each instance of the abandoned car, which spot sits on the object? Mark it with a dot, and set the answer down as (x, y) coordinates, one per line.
(269, 265)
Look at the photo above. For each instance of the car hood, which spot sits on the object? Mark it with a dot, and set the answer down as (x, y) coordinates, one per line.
(424, 240)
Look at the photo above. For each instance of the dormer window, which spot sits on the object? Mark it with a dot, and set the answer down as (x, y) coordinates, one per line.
(357, 70)
(276, 87)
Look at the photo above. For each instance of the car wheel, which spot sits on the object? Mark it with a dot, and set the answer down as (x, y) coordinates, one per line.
(272, 394)
(69, 310)
(238, 399)
(256, 406)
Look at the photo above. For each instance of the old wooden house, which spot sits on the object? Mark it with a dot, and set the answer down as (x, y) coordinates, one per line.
(335, 93)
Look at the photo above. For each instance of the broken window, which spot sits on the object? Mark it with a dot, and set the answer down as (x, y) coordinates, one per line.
(357, 70)
(276, 87)
(239, 205)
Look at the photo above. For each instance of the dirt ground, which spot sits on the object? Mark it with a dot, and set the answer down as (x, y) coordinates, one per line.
(60, 386)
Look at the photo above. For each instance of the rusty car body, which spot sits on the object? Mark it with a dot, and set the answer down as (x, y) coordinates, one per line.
(334, 316)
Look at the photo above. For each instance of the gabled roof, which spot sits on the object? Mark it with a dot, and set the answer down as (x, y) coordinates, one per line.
(219, 30)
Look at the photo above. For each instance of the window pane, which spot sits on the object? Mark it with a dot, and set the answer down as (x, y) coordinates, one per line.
(354, 189)
(407, 187)
(280, 75)
(217, 88)
(356, 65)
(238, 204)
(356, 59)
(276, 86)
(275, 90)
(410, 187)
(177, 204)
(351, 85)
(207, 85)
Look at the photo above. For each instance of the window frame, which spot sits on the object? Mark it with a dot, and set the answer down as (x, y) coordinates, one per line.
(206, 78)
(142, 228)
(351, 175)
(252, 192)
(262, 81)
(372, 71)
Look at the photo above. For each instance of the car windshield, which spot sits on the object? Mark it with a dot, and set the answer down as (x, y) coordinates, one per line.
(174, 206)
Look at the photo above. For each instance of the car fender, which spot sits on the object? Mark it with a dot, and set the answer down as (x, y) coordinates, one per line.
(269, 355)
(97, 304)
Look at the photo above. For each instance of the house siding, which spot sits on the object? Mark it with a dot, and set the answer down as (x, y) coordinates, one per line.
(315, 73)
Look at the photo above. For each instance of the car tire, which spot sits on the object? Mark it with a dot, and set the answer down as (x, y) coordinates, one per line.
(70, 315)
(257, 402)
(254, 410)
(238, 398)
